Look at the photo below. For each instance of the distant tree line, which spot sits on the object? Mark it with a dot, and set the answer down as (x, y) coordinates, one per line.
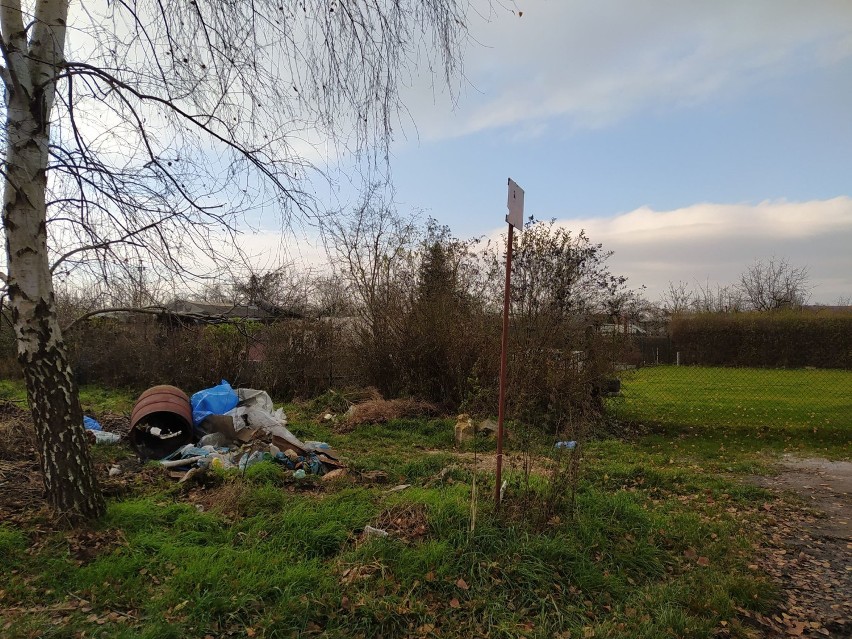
(765, 285)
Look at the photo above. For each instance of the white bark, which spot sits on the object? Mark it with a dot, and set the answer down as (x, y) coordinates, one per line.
(30, 89)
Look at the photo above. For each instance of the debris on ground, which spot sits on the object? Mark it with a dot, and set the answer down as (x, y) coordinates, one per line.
(189, 455)
(337, 473)
(102, 437)
(96, 434)
(380, 411)
(334, 406)
(161, 422)
(465, 428)
(221, 427)
(406, 522)
(808, 552)
(398, 488)
(464, 431)
(487, 427)
(375, 476)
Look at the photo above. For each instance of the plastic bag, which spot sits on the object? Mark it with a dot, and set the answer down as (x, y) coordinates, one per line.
(250, 397)
(103, 437)
(212, 401)
(90, 423)
(251, 417)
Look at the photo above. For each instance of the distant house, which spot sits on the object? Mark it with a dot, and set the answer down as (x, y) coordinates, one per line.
(607, 324)
(206, 312)
(622, 328)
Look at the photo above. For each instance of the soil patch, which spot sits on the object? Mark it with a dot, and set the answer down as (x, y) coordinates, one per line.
(512, 462)
(809, 549)
(22, 498)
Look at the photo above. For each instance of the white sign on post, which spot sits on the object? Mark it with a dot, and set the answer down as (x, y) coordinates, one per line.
(516, 205)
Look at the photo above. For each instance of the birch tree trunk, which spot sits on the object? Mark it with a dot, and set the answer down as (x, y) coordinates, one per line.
(33, 59)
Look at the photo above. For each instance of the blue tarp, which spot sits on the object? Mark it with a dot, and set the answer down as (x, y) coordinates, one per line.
(213, 401)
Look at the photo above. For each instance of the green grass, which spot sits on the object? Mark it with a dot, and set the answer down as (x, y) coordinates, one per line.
(270, 561)
(279, 568)
(270, 558)
(780, 409)
(94, 399)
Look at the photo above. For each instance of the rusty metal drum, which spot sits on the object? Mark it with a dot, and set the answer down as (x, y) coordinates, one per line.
(161, 422)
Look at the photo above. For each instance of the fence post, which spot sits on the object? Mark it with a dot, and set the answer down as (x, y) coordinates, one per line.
(677, 360)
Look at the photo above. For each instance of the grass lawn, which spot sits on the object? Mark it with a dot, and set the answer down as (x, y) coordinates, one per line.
(661, 544)
(781, 409)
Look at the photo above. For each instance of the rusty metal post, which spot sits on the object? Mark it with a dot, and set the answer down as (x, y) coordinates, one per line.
(501, 410)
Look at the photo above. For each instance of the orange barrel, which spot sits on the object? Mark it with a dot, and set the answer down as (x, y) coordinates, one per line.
(161, 422)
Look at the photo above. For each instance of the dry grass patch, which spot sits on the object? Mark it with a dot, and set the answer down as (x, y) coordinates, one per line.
(407, 522)
(380, 411)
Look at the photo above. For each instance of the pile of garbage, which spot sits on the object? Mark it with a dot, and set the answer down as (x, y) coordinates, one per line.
(96, 433)
(221, 427)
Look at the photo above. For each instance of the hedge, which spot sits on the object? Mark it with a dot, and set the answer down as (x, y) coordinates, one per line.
(785, 339)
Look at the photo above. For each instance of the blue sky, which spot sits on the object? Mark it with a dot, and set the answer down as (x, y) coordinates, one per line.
(691, 138)
(775, 143)
(600, 109)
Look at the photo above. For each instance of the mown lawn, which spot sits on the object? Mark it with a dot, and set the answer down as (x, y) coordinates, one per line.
(791, 409)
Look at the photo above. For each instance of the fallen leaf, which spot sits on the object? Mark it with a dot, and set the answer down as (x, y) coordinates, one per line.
(251, 632)
(461, 583)
(454, 603)
(703, 561)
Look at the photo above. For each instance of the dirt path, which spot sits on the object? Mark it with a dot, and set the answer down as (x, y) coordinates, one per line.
(809, 553)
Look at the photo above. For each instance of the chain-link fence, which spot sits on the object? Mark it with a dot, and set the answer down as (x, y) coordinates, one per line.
(667, 386)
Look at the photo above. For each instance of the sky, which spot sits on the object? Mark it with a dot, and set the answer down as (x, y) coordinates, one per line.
(690, 138)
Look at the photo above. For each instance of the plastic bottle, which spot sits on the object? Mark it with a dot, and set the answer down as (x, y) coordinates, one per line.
(103, 437)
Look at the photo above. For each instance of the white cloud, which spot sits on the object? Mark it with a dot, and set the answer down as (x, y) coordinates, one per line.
(694, 243)
(717, 241)
(595, 63)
